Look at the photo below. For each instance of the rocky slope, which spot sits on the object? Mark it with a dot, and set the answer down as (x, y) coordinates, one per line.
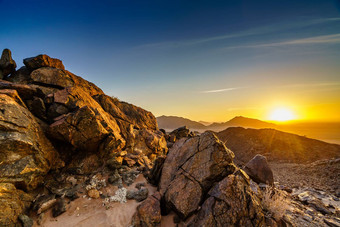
(276, 145)
(53, 120)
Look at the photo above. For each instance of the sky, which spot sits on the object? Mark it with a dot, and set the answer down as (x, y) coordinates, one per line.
(204, 60)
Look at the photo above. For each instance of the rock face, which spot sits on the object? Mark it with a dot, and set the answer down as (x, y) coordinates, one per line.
(52, 119)
(148, 213)
(43, 61)
(259, 170)
(7, 64)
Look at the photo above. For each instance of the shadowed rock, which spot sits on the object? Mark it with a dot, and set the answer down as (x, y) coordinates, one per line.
(259, 170)
(7, 64)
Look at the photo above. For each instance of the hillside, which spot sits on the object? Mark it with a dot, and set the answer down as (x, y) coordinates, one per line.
(276, 145)
(170, 123)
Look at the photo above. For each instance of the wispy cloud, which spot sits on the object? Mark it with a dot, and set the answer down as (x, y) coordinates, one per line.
(324, 39)
(222, 90)
(245, 33)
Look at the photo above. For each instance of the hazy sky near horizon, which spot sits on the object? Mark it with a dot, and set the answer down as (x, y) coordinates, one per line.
(204, 60)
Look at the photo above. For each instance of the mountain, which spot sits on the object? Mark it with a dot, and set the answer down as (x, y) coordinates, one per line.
(170, 123)
(206, 123)
(240, 121)
(276, 145)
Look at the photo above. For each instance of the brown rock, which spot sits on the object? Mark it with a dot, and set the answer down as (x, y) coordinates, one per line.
(52, 77)
(93, 193)
(13, 202)
(25, 91)
(190, 169)
(259, 170)
(155, 173)
(21, 76)
(148, 213)
(179, 133)
(43, 61)
(7, 64)
(230, 203)
(26, 154)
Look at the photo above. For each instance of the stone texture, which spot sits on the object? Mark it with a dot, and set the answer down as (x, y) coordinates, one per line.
(230, 203)
(190, 169)
(148, 213)
(43, 61)
(26, 155)
(7, 64)
(47, 76)
(259, 170)
(13, 202)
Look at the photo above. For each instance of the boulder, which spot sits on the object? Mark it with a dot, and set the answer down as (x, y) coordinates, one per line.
(7, 64)
(259, 170)
(148, 213)
(20, 76)
(26, 154)
(43, 61)
(138, 195)
(25, 220)
(231, 202)
(13, 202)
(180, 133)
(53, 77)
(191, 168)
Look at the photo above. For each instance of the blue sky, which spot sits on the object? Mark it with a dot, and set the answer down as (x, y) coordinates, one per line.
(206, 60)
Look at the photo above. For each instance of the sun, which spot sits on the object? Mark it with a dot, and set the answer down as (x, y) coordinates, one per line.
(281, 114)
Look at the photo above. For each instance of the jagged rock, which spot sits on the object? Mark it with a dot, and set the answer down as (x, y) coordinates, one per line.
(129, 176)
(12, 202)
(43, 61)
(20, 76)
(26, 154)
(25, 220)
(7, 64)
(259, 170)
(332, 222)
(191, 168)
(179, 133)
(53, 77)
(59, 208)
(37, 107)
(148, 213)
(230, 203)
(25, 91)
(138, 195)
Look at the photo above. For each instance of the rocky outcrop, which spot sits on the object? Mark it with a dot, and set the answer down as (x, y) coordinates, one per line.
(43, 61)
(26, 154)
(7, 64)
(52, 119)
(259, 170)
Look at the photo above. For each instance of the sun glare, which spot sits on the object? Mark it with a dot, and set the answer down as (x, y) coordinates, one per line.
(281, 114)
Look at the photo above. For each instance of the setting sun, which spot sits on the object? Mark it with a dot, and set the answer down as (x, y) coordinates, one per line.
(281, 114)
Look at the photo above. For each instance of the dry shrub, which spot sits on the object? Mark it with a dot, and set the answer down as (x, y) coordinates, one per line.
(275, 202)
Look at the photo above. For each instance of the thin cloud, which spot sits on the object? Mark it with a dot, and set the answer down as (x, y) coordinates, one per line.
(250, 32)
(222, 90)
(324, 39)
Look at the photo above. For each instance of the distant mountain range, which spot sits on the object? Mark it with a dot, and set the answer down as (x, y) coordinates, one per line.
(170, 123)
(276, 145)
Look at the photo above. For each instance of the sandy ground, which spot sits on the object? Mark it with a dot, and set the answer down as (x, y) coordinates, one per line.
(85, 212)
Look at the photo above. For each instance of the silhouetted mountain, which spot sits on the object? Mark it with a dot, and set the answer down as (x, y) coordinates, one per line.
(240, 121)
(170, 123)
(276, 145)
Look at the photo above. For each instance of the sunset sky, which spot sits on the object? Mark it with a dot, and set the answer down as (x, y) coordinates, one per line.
(204, 60)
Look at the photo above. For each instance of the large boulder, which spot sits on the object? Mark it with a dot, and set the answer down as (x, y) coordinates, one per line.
(191, 168)
(26, 155)
(259, 170)
(231, 202)
(7, 64)
(43, 61)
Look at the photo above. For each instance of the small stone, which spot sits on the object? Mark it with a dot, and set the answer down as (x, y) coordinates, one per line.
(59, 208)
(138, 195)
(25, 220)
(93, 193)
(140, 185)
